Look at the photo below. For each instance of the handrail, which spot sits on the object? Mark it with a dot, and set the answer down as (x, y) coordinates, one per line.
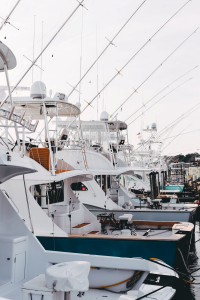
(9, 198)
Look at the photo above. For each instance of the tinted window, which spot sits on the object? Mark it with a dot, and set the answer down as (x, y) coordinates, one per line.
(78, 186)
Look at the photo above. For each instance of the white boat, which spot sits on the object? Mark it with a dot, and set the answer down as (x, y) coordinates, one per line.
(24, 261)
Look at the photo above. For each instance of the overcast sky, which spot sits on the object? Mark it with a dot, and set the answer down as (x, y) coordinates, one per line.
(104, 18)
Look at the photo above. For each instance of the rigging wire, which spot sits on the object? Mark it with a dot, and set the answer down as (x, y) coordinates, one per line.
(81, 55)
(33, 44)
(8, 16)
(97, 74)
(176, 137)
(174, 123)
(135, 91)
(80, 4)
(158, 101)
(180, 134)
(110, 43)
(159, 93)
(119, 72)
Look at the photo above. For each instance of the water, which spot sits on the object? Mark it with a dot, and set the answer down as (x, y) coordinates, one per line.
(188, 291)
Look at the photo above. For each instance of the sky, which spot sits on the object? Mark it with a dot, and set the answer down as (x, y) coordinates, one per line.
(85, 36)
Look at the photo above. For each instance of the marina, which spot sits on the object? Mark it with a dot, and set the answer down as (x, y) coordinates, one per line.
(92, 205)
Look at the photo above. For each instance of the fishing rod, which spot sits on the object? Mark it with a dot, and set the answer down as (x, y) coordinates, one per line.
(110, 43)
(158, 101)
(34, 61)
(7, 18)
(119, 72)
(160, 92)
(160, 65)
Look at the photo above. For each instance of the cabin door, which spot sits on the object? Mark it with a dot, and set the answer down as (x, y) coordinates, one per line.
(20, 263)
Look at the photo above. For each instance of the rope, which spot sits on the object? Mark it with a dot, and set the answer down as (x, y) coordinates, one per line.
(103, 287)
(190, 281)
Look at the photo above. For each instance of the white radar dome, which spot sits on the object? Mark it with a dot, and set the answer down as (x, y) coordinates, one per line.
(104, 116)
(38, 90)
(153, 126)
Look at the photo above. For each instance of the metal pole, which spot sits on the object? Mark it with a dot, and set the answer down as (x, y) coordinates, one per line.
(23, 147)
(28, 204)
(49, 142)
(80, 4)
(9, 92)
(110, 43)
(56, 134)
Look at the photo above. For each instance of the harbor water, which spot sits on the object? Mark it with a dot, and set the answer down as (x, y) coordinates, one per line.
(188, 291)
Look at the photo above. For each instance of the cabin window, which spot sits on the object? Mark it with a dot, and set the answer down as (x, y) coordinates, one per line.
(56, 192)
(78, 186)
(108, 182)
(98, 179)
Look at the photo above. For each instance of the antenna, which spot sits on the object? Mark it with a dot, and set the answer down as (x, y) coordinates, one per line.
(35, 60)
(41, 51)
(33, 44)
(144, 104)
(97, 72)
(81, 56)
(157, 67)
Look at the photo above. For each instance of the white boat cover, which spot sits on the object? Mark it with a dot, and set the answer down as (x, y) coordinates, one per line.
(68, 276)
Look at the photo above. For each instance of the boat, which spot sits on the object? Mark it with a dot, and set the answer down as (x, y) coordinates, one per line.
(27, 268)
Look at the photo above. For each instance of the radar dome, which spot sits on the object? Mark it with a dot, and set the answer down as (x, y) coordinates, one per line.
(104, 116)
(38, 90)
(153, 126)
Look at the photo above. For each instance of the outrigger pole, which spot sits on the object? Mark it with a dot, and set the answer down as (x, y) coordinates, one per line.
(119, 72)
(80, 4)
(159, 93)
(135, 90)
(159, 100)
(110, 43)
